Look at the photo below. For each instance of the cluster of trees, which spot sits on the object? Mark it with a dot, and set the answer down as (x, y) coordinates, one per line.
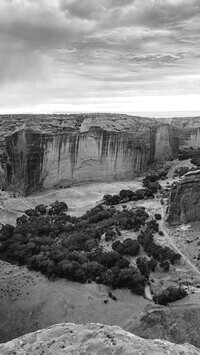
(128, 195)
(146, 266)
(127, 247)
(170, 294)
(158, 252)
(150, 188)
(151, 183)
(48, 240)
(111, 234)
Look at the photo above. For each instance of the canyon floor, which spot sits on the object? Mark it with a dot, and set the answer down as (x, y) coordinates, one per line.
(78, 198)
(28, 301)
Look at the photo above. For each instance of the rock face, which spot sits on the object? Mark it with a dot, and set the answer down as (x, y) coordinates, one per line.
(178, 324)
(85, 148)
(189, 136)
(184, 203)
(61, 150)
(90, 339)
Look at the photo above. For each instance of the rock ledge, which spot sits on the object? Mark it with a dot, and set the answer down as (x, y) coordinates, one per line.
(90, 339)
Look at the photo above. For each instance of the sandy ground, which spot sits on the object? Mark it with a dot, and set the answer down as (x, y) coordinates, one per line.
(28, 301)
(78, 198)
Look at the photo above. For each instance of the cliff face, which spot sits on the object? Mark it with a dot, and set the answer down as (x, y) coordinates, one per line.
(189, 135)
(91, 339)
(185, 199)
(96, 149)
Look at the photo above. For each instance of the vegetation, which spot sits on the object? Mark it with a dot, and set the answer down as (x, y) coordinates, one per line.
(150, 188)
(128, 247)
(146, 266)
(158, 252)
(169, 295)
(48, 240)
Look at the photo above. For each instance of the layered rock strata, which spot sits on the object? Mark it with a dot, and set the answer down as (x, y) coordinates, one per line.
(184, 203)
(91, 339)
(84, 149)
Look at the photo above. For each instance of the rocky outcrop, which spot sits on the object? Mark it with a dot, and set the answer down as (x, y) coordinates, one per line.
(90, 339)
(177, 323)
(184, 204)
(85, 148)
(189, 136)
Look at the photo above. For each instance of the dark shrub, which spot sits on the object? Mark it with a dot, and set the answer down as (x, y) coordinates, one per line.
(158, 216)
(171, 294)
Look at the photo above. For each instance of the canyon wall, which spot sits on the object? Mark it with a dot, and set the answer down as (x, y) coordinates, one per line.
(184, 204)
(189, 136)
(91, 339)
(98, 149)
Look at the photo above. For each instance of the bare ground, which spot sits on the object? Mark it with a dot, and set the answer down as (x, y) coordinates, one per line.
(28, 301)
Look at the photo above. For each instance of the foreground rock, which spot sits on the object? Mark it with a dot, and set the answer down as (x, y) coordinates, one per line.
(91, 339)
(184, 204)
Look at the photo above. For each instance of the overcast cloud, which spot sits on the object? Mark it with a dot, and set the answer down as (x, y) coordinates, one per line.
(99, 55)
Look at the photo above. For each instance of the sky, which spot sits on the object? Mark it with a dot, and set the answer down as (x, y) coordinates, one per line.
(99, 56)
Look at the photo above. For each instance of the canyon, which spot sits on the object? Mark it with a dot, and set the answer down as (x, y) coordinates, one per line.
(73, 149)
(45, 151)
(93, 155)
(91, 339)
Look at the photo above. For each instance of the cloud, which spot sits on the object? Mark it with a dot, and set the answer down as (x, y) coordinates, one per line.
(69, 49)
(92, 9)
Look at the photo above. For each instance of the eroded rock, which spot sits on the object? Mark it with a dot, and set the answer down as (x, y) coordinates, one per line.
(85, 148)
(184, 204)
(90, 339)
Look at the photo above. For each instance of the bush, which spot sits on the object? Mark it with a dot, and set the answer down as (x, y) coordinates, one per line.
(165, 265)
(171, 294)
(143, 266)
(126, 194)
(41, 209)
(152, 226)
(110, 234)
(57, 207)
(111, 200)
(127, 247)
(158, 216)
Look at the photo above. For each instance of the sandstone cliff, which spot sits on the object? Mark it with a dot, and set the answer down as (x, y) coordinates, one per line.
(85, 148)
(90, 339)
(188, 129)
(184, 204)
